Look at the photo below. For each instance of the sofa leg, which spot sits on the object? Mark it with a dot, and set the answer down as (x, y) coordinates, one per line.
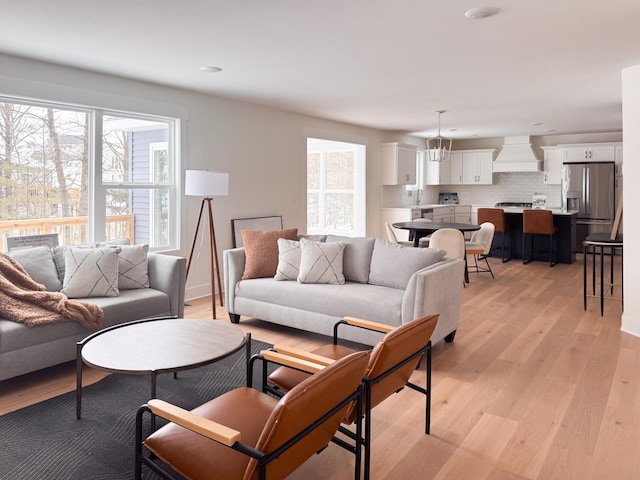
(449, 338)
(234, 317)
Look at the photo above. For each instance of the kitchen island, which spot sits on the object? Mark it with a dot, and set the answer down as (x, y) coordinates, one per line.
(563, 219)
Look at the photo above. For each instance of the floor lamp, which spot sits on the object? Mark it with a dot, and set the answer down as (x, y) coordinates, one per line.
(206, 184)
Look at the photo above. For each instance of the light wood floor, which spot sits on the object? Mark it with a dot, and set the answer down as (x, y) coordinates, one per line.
(533, 387)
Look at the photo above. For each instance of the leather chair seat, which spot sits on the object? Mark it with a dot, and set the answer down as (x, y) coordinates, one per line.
(194, 456)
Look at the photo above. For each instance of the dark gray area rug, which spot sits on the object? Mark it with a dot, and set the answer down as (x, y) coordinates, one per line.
(46, 442)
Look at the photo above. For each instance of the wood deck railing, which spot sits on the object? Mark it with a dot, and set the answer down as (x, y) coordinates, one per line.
(70, 230)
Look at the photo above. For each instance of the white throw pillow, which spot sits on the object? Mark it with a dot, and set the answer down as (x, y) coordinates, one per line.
(90, 272)
(133, 269)
(289, 254)
(321, 262)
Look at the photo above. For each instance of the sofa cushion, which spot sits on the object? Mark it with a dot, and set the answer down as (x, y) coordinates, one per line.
(261, 251)
(90, 272)
(289, 254)
(350, 299)
(357, 257)
(40, 265)
(321, 262)
(392, 265)
(133, 271)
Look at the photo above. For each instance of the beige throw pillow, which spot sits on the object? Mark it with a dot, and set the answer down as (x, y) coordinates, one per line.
(90, 272)
(321, 262)
(289, 254)
(133, 269)
(261, 251)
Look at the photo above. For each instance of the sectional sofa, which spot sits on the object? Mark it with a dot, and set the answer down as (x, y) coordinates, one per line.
(25, 349)
(384, 282)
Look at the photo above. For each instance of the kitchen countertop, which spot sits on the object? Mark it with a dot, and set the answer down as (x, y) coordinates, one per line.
(555, 211)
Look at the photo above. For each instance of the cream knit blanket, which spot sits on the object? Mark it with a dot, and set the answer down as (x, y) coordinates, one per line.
(25, 301)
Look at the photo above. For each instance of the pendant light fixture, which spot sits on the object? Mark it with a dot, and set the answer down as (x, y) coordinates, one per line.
(437, 147)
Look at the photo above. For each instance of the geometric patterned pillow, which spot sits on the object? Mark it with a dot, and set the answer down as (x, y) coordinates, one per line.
(321, 262)
(90, 272)
(132, 267)
(289, 255)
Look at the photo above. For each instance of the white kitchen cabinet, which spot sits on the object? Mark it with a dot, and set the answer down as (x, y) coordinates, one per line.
(455, 170)
(398, 164)
(438, 173)
(596, 152)
(552, 165)
(462, 213)
(477, 167)
(443, 213)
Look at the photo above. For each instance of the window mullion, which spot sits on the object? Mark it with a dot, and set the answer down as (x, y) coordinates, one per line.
(97, 201)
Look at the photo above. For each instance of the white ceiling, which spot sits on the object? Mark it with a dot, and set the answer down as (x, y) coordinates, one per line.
(378, 63)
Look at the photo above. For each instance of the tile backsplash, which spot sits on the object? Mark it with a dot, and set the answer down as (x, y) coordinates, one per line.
(507, 187)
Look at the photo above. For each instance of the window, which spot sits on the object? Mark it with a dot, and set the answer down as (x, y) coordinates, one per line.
(88, 175)
(335, 188)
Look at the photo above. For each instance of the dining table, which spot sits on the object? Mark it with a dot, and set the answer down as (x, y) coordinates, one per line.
(417, 230)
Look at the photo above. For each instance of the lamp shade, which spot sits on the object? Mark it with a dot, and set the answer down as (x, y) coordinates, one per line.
(203, 183)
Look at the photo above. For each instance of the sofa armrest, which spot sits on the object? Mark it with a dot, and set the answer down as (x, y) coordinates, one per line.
(167, 273)
(436, 289)
(233, 261)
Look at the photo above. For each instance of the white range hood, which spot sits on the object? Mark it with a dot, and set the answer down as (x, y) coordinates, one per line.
(517, 155)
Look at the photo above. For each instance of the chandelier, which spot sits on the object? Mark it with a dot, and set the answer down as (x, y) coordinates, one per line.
(439, 148)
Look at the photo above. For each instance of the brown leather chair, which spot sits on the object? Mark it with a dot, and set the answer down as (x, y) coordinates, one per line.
(538, 222)
(248, 434)
(496, 216)
(391, 364)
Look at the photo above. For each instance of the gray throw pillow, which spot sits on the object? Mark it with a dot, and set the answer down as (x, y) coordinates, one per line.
(392, 265)
(357, 257)
(40, 265)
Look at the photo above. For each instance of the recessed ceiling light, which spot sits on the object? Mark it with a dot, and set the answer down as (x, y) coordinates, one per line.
(550, 130)
(210, 69)
(535, 124)
(453, 129)
(481, 12)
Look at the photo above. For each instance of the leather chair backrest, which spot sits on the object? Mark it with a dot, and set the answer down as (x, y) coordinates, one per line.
(538, 221)
(493, 215)
(301, 406)
(391, 350)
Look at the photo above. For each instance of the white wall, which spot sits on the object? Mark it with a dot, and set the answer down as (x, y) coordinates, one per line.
(264, 150)
(631, 171)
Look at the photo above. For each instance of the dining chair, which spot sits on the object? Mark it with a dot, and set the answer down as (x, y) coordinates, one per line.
(391, 236)
(496, 216)
(480, 246)
(451, 241)
(535, 223)
(424, 241)
(248, 434)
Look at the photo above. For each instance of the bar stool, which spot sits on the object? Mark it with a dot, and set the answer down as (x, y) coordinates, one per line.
(538, 222)
(496, 216)
(600, 243)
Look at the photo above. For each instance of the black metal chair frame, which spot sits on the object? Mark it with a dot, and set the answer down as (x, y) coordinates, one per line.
(367, 384)
(552, 237)
(504, 260)
(477, 268)
(263, 458)
(598, 247)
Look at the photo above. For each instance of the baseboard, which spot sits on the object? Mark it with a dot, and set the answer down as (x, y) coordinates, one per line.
(630, 325)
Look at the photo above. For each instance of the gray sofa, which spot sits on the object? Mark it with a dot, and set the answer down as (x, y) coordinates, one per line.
(384, 283)
(26, 349)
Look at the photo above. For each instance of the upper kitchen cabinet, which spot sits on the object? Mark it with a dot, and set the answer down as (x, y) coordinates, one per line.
(477, 167)
(437, 173)
(465, 167)
(596, 152)
(552, 165)
(398, 164)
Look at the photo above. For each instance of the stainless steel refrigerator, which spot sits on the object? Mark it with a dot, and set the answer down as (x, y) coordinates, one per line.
(589, 188)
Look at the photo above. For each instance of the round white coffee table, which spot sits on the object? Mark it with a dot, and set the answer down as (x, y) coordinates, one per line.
(154, 346)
